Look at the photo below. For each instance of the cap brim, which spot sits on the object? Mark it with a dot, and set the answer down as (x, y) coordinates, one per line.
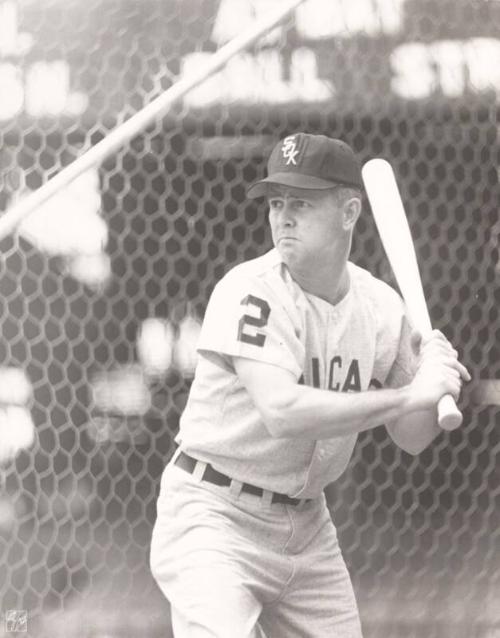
(295, 180)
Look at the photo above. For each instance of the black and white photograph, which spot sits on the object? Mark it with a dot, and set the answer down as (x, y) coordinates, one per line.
(249, 319)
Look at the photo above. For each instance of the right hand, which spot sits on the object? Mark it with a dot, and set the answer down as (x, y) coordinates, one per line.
(439, 372)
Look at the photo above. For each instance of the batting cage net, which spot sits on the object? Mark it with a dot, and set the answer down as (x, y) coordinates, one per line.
(104, 286)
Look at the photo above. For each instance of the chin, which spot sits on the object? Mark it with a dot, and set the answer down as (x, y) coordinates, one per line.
(290, 255)
(285, 250)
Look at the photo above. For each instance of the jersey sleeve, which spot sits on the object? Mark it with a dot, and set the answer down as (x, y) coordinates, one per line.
(245, 317)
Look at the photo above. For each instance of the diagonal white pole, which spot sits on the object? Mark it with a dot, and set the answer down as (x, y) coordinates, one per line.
(150, 113)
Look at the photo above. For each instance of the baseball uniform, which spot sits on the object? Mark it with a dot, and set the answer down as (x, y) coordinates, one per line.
(243, 542)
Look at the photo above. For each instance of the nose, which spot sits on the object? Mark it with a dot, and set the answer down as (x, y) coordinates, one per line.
(285, 216)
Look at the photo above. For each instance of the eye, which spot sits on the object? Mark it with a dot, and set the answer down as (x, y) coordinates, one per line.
(275, 204)
(301, 204)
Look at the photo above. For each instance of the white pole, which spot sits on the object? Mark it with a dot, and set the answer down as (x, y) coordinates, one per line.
(129, 129)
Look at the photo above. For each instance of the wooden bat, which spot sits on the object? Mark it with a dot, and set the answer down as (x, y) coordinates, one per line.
(394, 230)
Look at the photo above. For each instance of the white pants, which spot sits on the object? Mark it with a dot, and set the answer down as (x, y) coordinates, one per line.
(233, 566)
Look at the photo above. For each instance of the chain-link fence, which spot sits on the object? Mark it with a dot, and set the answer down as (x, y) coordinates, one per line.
(128, 255)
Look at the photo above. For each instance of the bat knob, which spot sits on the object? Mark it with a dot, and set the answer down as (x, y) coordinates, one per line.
(449, 416)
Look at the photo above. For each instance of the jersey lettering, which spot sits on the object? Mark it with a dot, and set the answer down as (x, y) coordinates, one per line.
(336, 361)
(258, 338)
(351, 383)
(353, 379)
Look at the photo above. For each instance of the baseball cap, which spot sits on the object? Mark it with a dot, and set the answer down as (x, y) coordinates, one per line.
(309, 161)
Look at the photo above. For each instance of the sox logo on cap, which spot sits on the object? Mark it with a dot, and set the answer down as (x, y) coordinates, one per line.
(290, 150)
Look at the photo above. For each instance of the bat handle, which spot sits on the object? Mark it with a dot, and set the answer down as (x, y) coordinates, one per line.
(449, 416)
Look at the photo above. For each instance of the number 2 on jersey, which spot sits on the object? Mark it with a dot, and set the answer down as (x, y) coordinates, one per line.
(256, 339)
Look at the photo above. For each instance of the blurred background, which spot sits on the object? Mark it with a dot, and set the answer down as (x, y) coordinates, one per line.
(103, 288)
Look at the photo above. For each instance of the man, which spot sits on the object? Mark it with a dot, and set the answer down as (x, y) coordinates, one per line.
(292, 344)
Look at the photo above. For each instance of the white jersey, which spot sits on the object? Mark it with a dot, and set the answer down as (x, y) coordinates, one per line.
(257, 311)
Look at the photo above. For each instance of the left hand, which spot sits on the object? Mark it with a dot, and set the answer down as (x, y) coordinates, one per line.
(439, 371)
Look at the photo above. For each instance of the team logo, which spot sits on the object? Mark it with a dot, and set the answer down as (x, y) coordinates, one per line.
(290, 150)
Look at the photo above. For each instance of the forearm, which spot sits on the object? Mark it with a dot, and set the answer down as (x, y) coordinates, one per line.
(291, 410)
(319, 414)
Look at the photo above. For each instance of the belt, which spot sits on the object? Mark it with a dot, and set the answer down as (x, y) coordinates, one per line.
(188, 463)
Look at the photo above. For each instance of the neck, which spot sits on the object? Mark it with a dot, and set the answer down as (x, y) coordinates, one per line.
(329, 282)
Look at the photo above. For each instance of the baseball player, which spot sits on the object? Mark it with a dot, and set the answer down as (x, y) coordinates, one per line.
(300, 350)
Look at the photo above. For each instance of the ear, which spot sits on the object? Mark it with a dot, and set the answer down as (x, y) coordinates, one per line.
(351, 212)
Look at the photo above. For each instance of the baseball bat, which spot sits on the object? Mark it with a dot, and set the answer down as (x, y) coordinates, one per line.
(394, 230)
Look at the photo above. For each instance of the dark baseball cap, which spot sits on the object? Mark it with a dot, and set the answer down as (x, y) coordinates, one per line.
(309, 161)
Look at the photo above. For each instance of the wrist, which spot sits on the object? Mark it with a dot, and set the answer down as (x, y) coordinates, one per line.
(409, 400)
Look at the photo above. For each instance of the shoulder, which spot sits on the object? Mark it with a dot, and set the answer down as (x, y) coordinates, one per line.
(260, 274)
(257, 268)
(265, 285)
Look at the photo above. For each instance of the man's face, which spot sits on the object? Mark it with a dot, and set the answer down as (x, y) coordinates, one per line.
(305, 224)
